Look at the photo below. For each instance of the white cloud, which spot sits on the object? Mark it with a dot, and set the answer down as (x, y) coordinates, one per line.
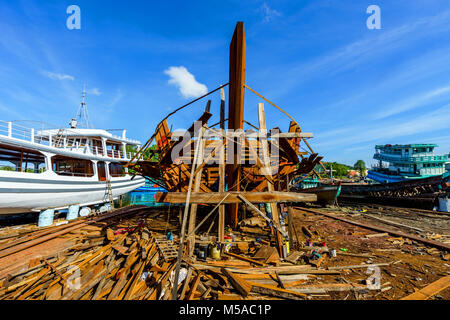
(94, 91)
(58, 76)
(415, 102)
(269, 13)
(386, 131)
(185, 81)
(116, 99)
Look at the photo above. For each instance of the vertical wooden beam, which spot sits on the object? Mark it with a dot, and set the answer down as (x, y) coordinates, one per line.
(236, 110)
(221, 227)
(266, 162)
(197, 181)
(291, 228)
(185, 218)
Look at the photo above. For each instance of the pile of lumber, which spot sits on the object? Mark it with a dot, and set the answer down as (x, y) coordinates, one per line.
(125, 254)
(113, 256)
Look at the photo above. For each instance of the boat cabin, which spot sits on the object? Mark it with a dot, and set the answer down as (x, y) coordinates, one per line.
(65, 152)
(410, 160)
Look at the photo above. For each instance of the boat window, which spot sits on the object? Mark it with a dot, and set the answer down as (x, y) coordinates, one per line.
(22, 160)
(116, 170)
(66, 166)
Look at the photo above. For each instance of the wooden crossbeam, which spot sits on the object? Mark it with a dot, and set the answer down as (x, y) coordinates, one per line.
(253, 197)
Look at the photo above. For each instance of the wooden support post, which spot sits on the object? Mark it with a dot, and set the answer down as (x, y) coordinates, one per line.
(291, 228)
(221, 225)
(267, 166)
(196, 188)
(236, 111)
(185, 218)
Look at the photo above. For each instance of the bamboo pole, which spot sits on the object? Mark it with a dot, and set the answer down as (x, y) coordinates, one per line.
(185, 216)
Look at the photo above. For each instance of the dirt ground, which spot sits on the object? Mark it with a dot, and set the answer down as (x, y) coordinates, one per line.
(413, 264)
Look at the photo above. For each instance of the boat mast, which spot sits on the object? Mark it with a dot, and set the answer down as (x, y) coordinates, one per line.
(82, 114)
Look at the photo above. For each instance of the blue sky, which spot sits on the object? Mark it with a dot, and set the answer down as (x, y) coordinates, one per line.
(350, 86)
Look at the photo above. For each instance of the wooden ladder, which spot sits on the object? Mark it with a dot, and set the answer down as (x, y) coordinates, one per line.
(108, 193)
(59, 139)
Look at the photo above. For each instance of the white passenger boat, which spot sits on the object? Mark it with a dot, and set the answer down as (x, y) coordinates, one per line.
(43, 168)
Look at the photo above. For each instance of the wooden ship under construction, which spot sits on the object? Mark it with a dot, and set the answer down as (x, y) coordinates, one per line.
(222, 164)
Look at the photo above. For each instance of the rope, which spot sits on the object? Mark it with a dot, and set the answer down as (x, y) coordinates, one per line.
(304, 140)
(246, 86)
(144, 148)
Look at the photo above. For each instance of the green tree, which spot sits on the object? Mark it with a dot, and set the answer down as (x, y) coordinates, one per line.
(150, 154)
(339, 169)
(361, 167)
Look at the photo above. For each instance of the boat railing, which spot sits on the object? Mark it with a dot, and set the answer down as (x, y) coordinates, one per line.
(411, 159)
(14, 130)
(37, 132)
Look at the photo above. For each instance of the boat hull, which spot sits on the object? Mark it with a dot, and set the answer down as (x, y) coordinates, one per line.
(22, 192)
(390, 178)
(325, 194)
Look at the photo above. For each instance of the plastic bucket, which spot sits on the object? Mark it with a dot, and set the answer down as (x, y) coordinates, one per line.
(214, 252)
(444, 204)
(84, 211)
(104, 208)
(72, 212)
(46, 218)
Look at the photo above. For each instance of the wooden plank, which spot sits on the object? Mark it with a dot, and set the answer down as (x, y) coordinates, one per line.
(184, 223)
(291, 228)
(99, 272)
(302, 269)
(276, 292)
(57, 231)
(430, 290)
(221, 226)
(358, 266)
(245, 259)
(396, 224)
(236, 110)
(185, 284)
(37, 278)
(196, 188)
(332, 287)
(242, 286)
(267, 253)
(376, 235)
(267, 165)
(433, 243)
(193, 287)
(253, 197)
(294, 256)
(119, 285)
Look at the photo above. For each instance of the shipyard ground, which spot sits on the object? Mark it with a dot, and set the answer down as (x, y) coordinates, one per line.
(113, 253)
(413, 265)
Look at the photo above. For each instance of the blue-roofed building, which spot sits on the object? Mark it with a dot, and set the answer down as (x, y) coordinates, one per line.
(403, 162)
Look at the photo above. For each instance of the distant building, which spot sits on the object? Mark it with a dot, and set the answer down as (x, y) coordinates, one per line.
(355, 173)
(410, 161)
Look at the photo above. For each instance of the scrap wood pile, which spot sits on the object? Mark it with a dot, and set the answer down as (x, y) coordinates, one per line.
(105, 257)
(128, 255)
(408, 262)
(120, 256)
